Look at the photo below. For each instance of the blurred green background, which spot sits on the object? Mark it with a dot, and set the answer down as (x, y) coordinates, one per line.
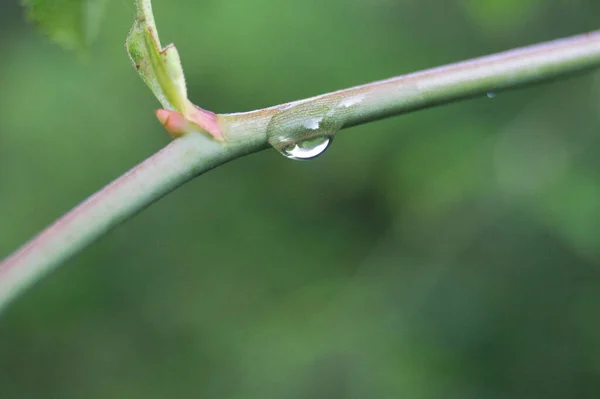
(452, 252)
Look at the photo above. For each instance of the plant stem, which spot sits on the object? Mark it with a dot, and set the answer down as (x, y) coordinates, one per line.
(424, 89)
(195, 153)
(158, 175)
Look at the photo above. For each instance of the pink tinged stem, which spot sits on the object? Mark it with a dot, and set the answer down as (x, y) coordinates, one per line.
(198, 119)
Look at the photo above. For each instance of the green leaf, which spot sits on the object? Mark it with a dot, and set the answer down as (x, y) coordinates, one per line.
(160, 68)
(73, 24)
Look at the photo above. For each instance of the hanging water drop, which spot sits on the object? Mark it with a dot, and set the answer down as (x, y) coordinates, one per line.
(303, 131)
(491, 95)
(307, 149)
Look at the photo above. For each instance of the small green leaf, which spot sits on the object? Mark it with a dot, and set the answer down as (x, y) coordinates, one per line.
(160, 68)
(73, 24)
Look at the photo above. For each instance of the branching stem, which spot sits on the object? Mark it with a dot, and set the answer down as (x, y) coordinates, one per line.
(195, 153)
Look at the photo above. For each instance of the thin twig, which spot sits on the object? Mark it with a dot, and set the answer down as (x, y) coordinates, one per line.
(194, 153)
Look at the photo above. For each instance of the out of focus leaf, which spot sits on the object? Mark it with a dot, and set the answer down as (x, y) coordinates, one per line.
(73, 24)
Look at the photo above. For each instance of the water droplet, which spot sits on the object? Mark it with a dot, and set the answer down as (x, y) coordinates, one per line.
(307, 149)
(305, 130)
(491, 95)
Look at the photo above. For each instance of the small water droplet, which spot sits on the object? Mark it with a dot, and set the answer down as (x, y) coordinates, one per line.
(491, 95)
(307, 149)
(304, 131)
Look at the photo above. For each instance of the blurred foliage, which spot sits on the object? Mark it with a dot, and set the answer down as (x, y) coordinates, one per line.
(453, 252)
(71, 23)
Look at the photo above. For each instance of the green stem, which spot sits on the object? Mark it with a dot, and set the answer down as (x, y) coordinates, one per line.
(467, 79)
(158, 175)
(194, 153)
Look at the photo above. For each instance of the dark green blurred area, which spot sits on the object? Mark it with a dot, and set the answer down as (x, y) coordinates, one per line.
(453, 252)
